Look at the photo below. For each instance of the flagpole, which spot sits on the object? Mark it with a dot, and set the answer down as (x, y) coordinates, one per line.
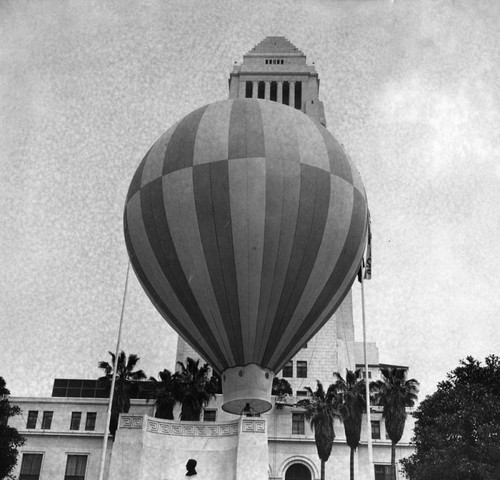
(367, 382)
(112, 393)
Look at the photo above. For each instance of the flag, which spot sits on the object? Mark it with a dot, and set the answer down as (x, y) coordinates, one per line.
(365, 269)
(368, 267)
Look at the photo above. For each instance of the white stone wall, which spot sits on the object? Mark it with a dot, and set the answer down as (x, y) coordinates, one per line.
(147, 448)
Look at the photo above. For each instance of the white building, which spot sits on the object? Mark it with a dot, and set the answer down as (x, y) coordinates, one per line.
(65, 432)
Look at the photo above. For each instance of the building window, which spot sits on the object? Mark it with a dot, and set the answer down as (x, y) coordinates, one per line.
(298, 95)
(286, 93)
(47, 420)
(301, 393)
(248, 89)
(301, 369)
(75, 467)
(288, 369)
(261, 90)
(90, 421)
(305, 345)
(369, 374)
(273, 92)
(375, 429)
(382, 472)
(31, 466)
(209, 415)
(32, 417)
(297, 423)
(76, 417)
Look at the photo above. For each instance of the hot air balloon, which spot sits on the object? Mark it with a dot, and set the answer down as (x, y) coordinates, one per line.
(246, 223)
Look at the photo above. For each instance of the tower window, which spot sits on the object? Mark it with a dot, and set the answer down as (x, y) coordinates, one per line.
(274, 91)
(298, 95)
(375, 429)
(248, 89)
(261, 90)
(286, 93)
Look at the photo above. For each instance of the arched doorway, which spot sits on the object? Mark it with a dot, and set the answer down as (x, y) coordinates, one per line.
(298, 471)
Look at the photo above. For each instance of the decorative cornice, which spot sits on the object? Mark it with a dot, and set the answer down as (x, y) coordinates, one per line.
(192, 429)
(254, 426)
(131, 421)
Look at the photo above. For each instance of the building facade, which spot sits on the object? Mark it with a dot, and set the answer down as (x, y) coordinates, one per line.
(65, 432)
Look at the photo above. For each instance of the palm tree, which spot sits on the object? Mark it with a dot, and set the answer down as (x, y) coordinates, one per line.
(352, 403)
(320, 411)
(195, 388)
(394, 393)
(281, 387)
(164, 392)
(124, 382)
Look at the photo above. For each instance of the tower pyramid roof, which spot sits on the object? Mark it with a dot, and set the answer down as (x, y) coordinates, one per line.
(276, 45)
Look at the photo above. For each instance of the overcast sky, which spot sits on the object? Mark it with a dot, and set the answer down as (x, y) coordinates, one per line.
(410, 87)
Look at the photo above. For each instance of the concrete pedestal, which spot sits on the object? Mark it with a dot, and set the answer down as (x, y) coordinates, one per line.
(148, 448)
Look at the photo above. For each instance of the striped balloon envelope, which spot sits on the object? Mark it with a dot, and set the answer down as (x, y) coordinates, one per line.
(246, 224)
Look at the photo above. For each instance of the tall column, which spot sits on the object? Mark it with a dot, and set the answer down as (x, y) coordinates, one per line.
(267, 92)
(242, 90)
(279, 97)
(291, 96)
(255, 89)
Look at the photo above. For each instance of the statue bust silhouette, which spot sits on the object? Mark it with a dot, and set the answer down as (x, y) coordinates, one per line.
(190, 467)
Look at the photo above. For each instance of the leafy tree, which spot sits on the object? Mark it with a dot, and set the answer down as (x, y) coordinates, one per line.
(195, 388)
(395, 393)
(124, 383)
(281, 387)
(320, 411)
(164, 392)
(351, 405)
(10, 438)
(457, 428)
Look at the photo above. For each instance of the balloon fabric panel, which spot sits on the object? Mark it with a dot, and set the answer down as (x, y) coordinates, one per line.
(332, 242)
(356, 230)
(208, 147)
(246, 136)
(154, 282)
(247, 199)
(215, 233)
(180, 148)
(153, 167)
(181, 214)
(314, 199)
(160, 239)
(282, 206)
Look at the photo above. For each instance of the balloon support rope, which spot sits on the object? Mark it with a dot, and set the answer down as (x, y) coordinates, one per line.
(115, 366)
